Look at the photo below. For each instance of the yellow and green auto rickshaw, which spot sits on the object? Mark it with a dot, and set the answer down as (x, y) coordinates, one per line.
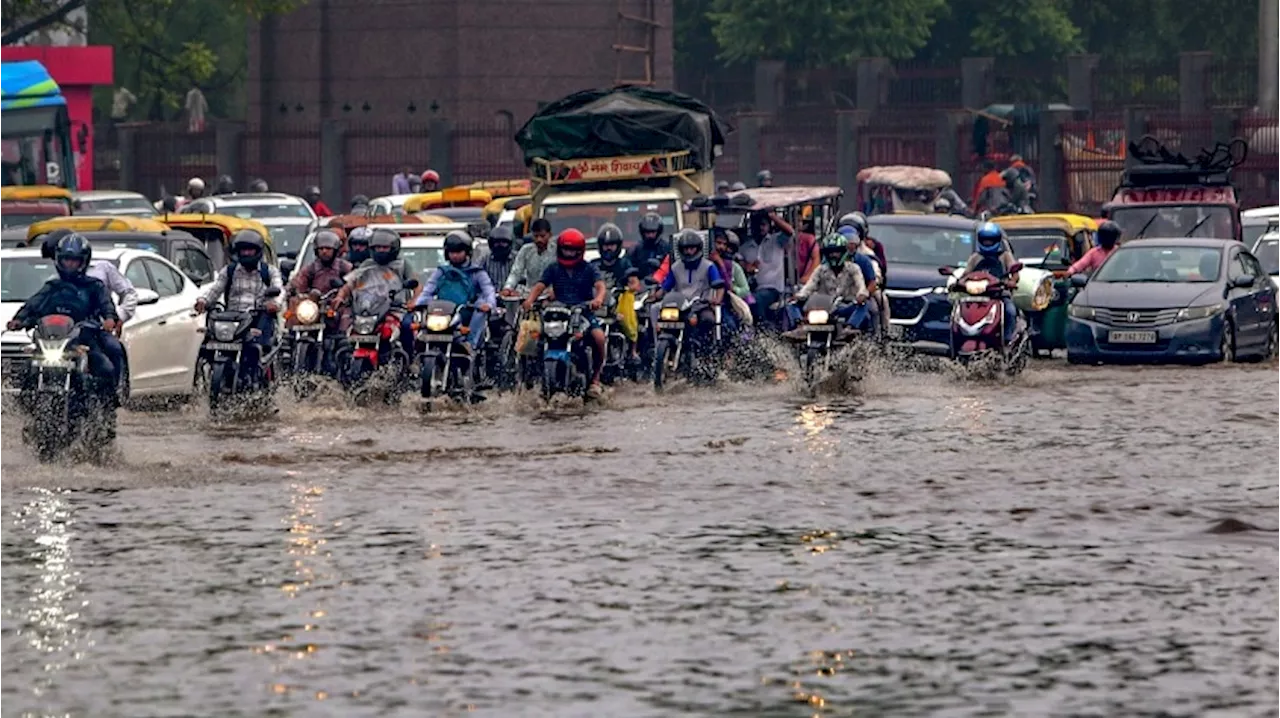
(1049, 242)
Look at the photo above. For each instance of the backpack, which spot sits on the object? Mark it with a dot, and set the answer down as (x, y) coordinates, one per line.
(263, 272)
(455, 285)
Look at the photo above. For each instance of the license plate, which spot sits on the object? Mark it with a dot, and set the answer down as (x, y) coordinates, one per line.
(820, 328)
(671, 325)
(308, 327)
(439, 338)
(364, 339)
(222, 346)
(1131, 337)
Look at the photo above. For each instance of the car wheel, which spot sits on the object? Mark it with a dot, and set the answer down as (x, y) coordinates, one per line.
(1273, 342)
(1227, 344)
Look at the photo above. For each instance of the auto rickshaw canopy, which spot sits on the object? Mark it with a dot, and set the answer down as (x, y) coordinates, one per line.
(97, 223)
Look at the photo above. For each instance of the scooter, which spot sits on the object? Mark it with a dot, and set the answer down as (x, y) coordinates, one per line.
(978, 321)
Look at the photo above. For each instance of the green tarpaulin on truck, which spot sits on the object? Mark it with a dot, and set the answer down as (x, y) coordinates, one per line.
(624, 120)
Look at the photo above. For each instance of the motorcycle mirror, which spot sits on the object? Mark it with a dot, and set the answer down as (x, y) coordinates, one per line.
(1015, 268)
(271, 292)
(410, 284)
(335, 283)
(1079, 280)
(946, 271)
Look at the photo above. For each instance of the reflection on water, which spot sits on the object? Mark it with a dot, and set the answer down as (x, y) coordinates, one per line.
(812, 420)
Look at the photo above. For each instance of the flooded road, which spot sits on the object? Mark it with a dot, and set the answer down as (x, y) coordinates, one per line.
(1076, 542)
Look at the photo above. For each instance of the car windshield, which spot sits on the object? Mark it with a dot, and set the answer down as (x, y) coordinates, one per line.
(588, 218)
(1040, 246)
(142, 244)
(287, 237)
(264, 211)
(923, 244)
(1268, 253)
(132, 206)
(1193, 220)
(22, 277)
(1161, 264)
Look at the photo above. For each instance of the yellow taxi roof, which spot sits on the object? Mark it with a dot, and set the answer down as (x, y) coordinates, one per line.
(1069, 223)
(453, 197)
(40, 191)
(502, 188)
(228, 224)
(96, 223)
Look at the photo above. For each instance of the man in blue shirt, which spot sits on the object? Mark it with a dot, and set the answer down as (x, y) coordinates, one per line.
(868, 267)
(574, 281)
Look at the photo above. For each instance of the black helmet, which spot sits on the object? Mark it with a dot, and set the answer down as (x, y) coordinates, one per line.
(501, 240)
(247, 246)
(1108, 234)
(651, 227)
(764, 178)
(457, 241)
(689, 246)
(258, 185)
(73, 246)
(385, 246)
(610, 235)
(49, 243)
(737, 186)
(328, 239)
(360, 236)
(359, 201)
(312, 191)
(226, 185)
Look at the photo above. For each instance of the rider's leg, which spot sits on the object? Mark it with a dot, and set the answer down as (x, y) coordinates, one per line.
(476, 328)
(597, 357)
(1010, 319)
(406, 333)
(115, 354)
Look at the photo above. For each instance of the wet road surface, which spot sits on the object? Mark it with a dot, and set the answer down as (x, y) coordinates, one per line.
(1088, 542)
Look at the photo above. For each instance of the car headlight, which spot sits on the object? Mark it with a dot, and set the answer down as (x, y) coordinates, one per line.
(940, 290)
(438, 322)
(1203, 312)
(978, 286)
(1080, 312)
(818, 316)
(669, 314)
(1044, 294)
(307, 312)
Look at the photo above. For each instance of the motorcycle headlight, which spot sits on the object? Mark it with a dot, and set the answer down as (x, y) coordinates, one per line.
(555, 330)
(1079, 312)
(307, 312)
(818, 316)
(224, 331)
(669, 314)
(53, 349)
(438, 322)
(1203, 312)
(978, 286)
(1044, 294)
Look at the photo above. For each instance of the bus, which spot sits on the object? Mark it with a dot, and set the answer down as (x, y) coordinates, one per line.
(36, 132)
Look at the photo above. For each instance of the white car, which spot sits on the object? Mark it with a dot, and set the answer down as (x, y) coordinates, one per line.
(161, 341)
(252, 205)
(388, 205)
(1267, 250)
(113, 202)
(1257, 222)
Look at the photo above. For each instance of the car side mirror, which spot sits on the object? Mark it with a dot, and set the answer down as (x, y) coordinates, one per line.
(410, 284)
(147, 296)
(1242, 282)
(272, 292)
(1079, 280)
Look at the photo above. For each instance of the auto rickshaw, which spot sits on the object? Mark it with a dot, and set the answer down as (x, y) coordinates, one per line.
(1049, 242)
(216, 231)
(501, 188)
(27, 205)
(456, 197)
(897, 189)
(96, 223)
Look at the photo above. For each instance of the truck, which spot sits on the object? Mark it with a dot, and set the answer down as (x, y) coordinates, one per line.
(617, 154)
(1169, 195)
(36, 134)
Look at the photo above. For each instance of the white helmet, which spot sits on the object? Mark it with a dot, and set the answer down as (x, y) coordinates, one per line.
(195, 183)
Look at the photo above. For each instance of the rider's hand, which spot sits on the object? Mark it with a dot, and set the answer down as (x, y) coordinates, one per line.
(272, 307)
(110, 325)
(508, 292)
(200, 305)
(595, 304)
(484, 308)
(528, 304)
(14, 325)
(861, 297)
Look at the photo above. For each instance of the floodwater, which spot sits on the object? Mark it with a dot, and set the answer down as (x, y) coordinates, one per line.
(1078, 541)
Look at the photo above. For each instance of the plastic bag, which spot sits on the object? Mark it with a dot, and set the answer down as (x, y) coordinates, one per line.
(527, 338)
(626, 313)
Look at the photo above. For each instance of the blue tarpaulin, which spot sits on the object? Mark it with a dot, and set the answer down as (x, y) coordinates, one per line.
(28, 84)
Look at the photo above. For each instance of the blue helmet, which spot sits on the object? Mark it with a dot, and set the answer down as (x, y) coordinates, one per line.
(990, 239)
(847, 230)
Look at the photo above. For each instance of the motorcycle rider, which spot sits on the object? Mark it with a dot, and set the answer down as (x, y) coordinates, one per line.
(461, 282)
(358, 246)
(359, 204)
(312, 196)
(242, 286)
(869, 246)
(694, 276)
(533, 259)
(838, 276)
(384, 272)
(1108, 236)
(992, 255)
(616, 269)
(259, 185)
(497, 262)
(116, 283)
(764, 259)
(74, 293)
(430, 181)
(764, 178)
(317, 277)
(225, 185)
(647, 255)
(573, 281)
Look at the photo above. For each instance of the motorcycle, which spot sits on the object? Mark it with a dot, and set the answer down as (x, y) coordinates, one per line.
(825, 334)
(63, 400)
(310, 344)
(675, 349)
(501, 365)
(566, 350)
(373, 342)
(446, 365)
(225, 337)
(978, 321)
(617, 348)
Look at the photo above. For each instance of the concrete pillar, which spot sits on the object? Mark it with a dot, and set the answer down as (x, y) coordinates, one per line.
(770, 79)
(849, 125)
(129, 161)
(873, 81)
(1193, 82)
(440, 143)
(1050, 173)
(227, 138)
(1135, 126)
(749, 147)
(1268, 57)
(1223, 124)
(333, 162)
(1080, 72)
(946, 154)
(975, 81)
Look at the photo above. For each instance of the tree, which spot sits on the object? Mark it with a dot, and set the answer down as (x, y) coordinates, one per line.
(24, 17)
(166, 47)
(821, 33)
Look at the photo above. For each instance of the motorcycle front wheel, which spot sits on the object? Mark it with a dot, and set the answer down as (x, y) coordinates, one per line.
(660, 351)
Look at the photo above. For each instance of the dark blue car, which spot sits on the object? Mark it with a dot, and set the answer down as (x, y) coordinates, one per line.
(915, 246)
(1193, 300)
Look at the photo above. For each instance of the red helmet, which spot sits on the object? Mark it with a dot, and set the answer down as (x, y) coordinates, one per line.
(431, 176)
(570, 239)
